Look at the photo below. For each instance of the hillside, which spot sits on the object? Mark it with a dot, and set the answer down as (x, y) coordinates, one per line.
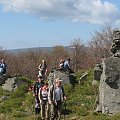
(19, 105)
(34, 49)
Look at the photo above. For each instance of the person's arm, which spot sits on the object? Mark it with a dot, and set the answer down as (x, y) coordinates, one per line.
(45, 71)
(34, 89)
(5, 65)
(64, 96)
(40, 95)
(68, 64)
(39, 67)
(50, 95)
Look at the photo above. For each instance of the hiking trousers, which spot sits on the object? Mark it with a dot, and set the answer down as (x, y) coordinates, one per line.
(56, 110)
(44, 109)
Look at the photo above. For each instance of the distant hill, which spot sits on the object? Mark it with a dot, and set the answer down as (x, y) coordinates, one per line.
(15, 51)
(43, 49)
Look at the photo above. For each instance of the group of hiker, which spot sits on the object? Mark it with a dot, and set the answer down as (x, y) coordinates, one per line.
(48, 99)
(64, 64)
(3, 67)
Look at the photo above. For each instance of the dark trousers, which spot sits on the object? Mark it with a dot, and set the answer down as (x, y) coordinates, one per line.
(37, 111)
(4, 71)
(56, 110)
(37, 105)
(45, 109)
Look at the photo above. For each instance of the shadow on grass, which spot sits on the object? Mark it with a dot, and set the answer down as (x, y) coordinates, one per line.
(66, 112)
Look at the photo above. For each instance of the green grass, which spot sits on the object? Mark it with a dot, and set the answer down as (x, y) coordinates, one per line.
(80, 103)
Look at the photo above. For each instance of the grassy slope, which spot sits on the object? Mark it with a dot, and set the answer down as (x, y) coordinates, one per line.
(80, 103)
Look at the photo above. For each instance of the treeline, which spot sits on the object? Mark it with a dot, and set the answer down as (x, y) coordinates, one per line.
(83, 56)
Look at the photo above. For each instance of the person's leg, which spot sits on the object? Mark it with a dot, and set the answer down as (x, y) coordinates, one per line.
(4, 71)
(43, 75)
(59, 109)
(36, 106)
(38, 110)
(47, 110)
(43, 110)
(53, 112)
(35, 111)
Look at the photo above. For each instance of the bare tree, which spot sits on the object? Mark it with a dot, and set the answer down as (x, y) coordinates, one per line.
(58, 52)
(82, 57)
(79, 53)
(100, 43)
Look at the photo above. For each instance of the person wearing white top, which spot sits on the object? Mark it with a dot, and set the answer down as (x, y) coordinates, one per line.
(43, 97)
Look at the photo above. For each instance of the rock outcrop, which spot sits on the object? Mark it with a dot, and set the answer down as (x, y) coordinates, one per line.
(68, 78)
(10, 83)
(109, 89)
(83, 77)
(97, 73)
(3, 78)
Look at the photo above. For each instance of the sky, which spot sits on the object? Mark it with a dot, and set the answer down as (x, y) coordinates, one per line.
(47, 23)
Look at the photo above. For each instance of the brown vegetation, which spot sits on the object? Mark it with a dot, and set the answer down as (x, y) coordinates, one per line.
(82, 57)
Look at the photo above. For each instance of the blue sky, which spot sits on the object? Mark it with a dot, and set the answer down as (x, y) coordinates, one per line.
(46, 23)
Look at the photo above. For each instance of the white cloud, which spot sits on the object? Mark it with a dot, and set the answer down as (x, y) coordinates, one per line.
(90, 11)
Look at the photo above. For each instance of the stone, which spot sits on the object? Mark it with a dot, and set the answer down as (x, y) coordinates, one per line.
(3, 78)
(68, 78)
(13, 82)
(9, 84)
(115, 48)
(3, 98)
(109, 89)
(97, 72)
(83, 77)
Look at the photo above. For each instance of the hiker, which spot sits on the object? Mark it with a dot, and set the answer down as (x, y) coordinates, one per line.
(67, 64)
(56, 96)
(43, 97)
(43, 69)
(1, 70)
(38, 84)
(61, 64)
(3, 67)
